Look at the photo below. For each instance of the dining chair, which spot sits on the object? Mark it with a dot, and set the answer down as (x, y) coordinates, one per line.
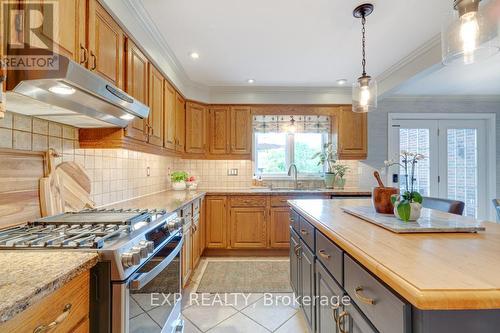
(444, 205)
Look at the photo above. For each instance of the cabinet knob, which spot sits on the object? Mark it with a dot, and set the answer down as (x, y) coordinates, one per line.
(363, 298)
(59, 320)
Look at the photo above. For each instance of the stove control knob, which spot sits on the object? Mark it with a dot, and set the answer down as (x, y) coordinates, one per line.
(175, 224)
(130, 259)
(150, 245)
(142, 250)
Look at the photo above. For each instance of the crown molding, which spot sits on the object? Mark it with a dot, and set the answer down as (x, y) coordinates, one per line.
(443, 98)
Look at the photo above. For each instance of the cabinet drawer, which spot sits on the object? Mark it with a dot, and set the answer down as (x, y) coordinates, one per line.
(294, 220)
(255, 201)
(330, 255)
(73, 296)
(383, 308)
(280, 200)
(307, 232)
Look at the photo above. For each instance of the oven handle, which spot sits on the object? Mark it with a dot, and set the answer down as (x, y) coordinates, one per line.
(142, 279)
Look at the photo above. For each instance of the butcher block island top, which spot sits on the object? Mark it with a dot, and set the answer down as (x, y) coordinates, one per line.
(432, 271)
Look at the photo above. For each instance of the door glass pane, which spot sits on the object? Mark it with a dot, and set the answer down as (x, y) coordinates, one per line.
(306, 145)
(416, 140)
(270, 151)
(462, 168)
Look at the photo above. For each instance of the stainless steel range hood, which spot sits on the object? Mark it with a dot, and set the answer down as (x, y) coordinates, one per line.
(77, 94)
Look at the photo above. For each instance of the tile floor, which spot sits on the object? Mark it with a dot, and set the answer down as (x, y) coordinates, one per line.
(239, 313)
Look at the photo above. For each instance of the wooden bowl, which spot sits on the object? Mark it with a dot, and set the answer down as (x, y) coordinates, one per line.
(381, 198)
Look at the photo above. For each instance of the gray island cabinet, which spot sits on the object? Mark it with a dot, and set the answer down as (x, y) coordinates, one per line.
(380, 284)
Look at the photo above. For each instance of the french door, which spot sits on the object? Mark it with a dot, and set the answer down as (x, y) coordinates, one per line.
(456, 164)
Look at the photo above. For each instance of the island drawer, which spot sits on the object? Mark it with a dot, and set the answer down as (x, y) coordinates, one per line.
(245, 201)
(294, 220)
(330, 255)
(306, 232)
(387, 312)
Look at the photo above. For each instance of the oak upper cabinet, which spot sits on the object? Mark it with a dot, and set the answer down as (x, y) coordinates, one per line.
(105, 48)
(241, 130)
(219, 130)
(136, 70)
(180, 120)
(216, 222)
(67, 32)
(279, 227)
(352, 135)
(196, 124)
(248, 227)
(169, 101)
(154, 125)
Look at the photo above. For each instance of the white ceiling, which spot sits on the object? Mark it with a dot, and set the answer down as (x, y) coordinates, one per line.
(289, 43)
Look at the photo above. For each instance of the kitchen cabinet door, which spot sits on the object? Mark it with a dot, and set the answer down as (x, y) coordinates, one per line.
(295, 262)
(180, 120)
(280, 227)
(105, 49)
(136, 86)
(219, 130)
(353, 321)
(307, 282)
(186, 255)
(248, 227)
(154, 126)
(327, 314)
(216, 222)
(196, 124)
(352, 135)
(169, 109)
(66, 30)
(241, 130)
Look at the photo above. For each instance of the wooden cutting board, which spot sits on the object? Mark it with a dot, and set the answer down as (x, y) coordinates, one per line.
(75, 186)
(51, 202)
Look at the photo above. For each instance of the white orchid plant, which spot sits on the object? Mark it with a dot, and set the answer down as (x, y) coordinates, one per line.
(408, 161)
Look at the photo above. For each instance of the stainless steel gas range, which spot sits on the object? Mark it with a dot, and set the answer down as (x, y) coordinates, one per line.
(136, 285)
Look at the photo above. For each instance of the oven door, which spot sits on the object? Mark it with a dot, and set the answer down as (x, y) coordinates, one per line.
(153, 293)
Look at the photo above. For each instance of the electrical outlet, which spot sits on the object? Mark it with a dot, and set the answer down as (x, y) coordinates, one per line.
(148, 171)
(232, 172)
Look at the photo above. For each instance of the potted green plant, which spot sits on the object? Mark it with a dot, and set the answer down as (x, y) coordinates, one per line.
(408, 205)
(178, 179)
(328, 158)
(340, 170)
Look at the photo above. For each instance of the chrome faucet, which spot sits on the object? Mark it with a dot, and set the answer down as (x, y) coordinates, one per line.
(293, 166)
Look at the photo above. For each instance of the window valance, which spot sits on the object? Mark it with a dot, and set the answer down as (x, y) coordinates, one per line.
(296, 123)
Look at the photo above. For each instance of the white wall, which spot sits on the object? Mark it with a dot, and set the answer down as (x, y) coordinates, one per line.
(377, 125)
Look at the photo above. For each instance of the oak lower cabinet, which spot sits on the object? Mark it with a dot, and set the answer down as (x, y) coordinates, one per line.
(216, 222)
(279, 227)
(248, 227)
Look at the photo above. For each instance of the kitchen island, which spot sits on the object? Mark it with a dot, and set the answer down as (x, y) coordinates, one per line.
(398, 282)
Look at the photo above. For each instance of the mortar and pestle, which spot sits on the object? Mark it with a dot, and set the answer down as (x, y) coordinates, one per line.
(381, 196)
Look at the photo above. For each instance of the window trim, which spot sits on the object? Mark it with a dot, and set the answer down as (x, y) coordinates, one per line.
(289, 157)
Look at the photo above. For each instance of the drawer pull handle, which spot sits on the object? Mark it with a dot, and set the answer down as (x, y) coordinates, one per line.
(59, 319)
(296, 250)
(340, 321)
(362, 298)
(323, 254)
(304, 232)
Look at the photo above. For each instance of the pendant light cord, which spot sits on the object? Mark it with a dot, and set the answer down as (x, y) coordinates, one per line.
(363, 42)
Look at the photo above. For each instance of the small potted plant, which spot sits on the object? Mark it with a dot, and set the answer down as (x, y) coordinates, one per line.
(178, 179)
(191, 183)
(328, 158)
(340, 170)
(408, 205)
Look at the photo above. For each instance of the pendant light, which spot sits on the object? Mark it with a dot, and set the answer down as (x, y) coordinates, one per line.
(364, 91)
(468, 35)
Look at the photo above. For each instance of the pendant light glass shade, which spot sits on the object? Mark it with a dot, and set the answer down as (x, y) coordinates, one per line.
(469, 35)
(364, 95)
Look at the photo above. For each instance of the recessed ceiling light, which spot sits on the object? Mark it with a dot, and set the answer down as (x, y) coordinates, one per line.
(251, 81)
(341, 82)
(62, 89)
(194, 55)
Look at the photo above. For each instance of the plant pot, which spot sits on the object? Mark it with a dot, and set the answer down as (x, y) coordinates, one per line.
(329, 180)
(340, 183)
(192, 186)
(415, 211)
(179, 186)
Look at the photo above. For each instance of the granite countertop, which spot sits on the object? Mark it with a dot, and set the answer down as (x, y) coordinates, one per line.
(167, 200)
(28, 276)
(348, 191)
(434, 271)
